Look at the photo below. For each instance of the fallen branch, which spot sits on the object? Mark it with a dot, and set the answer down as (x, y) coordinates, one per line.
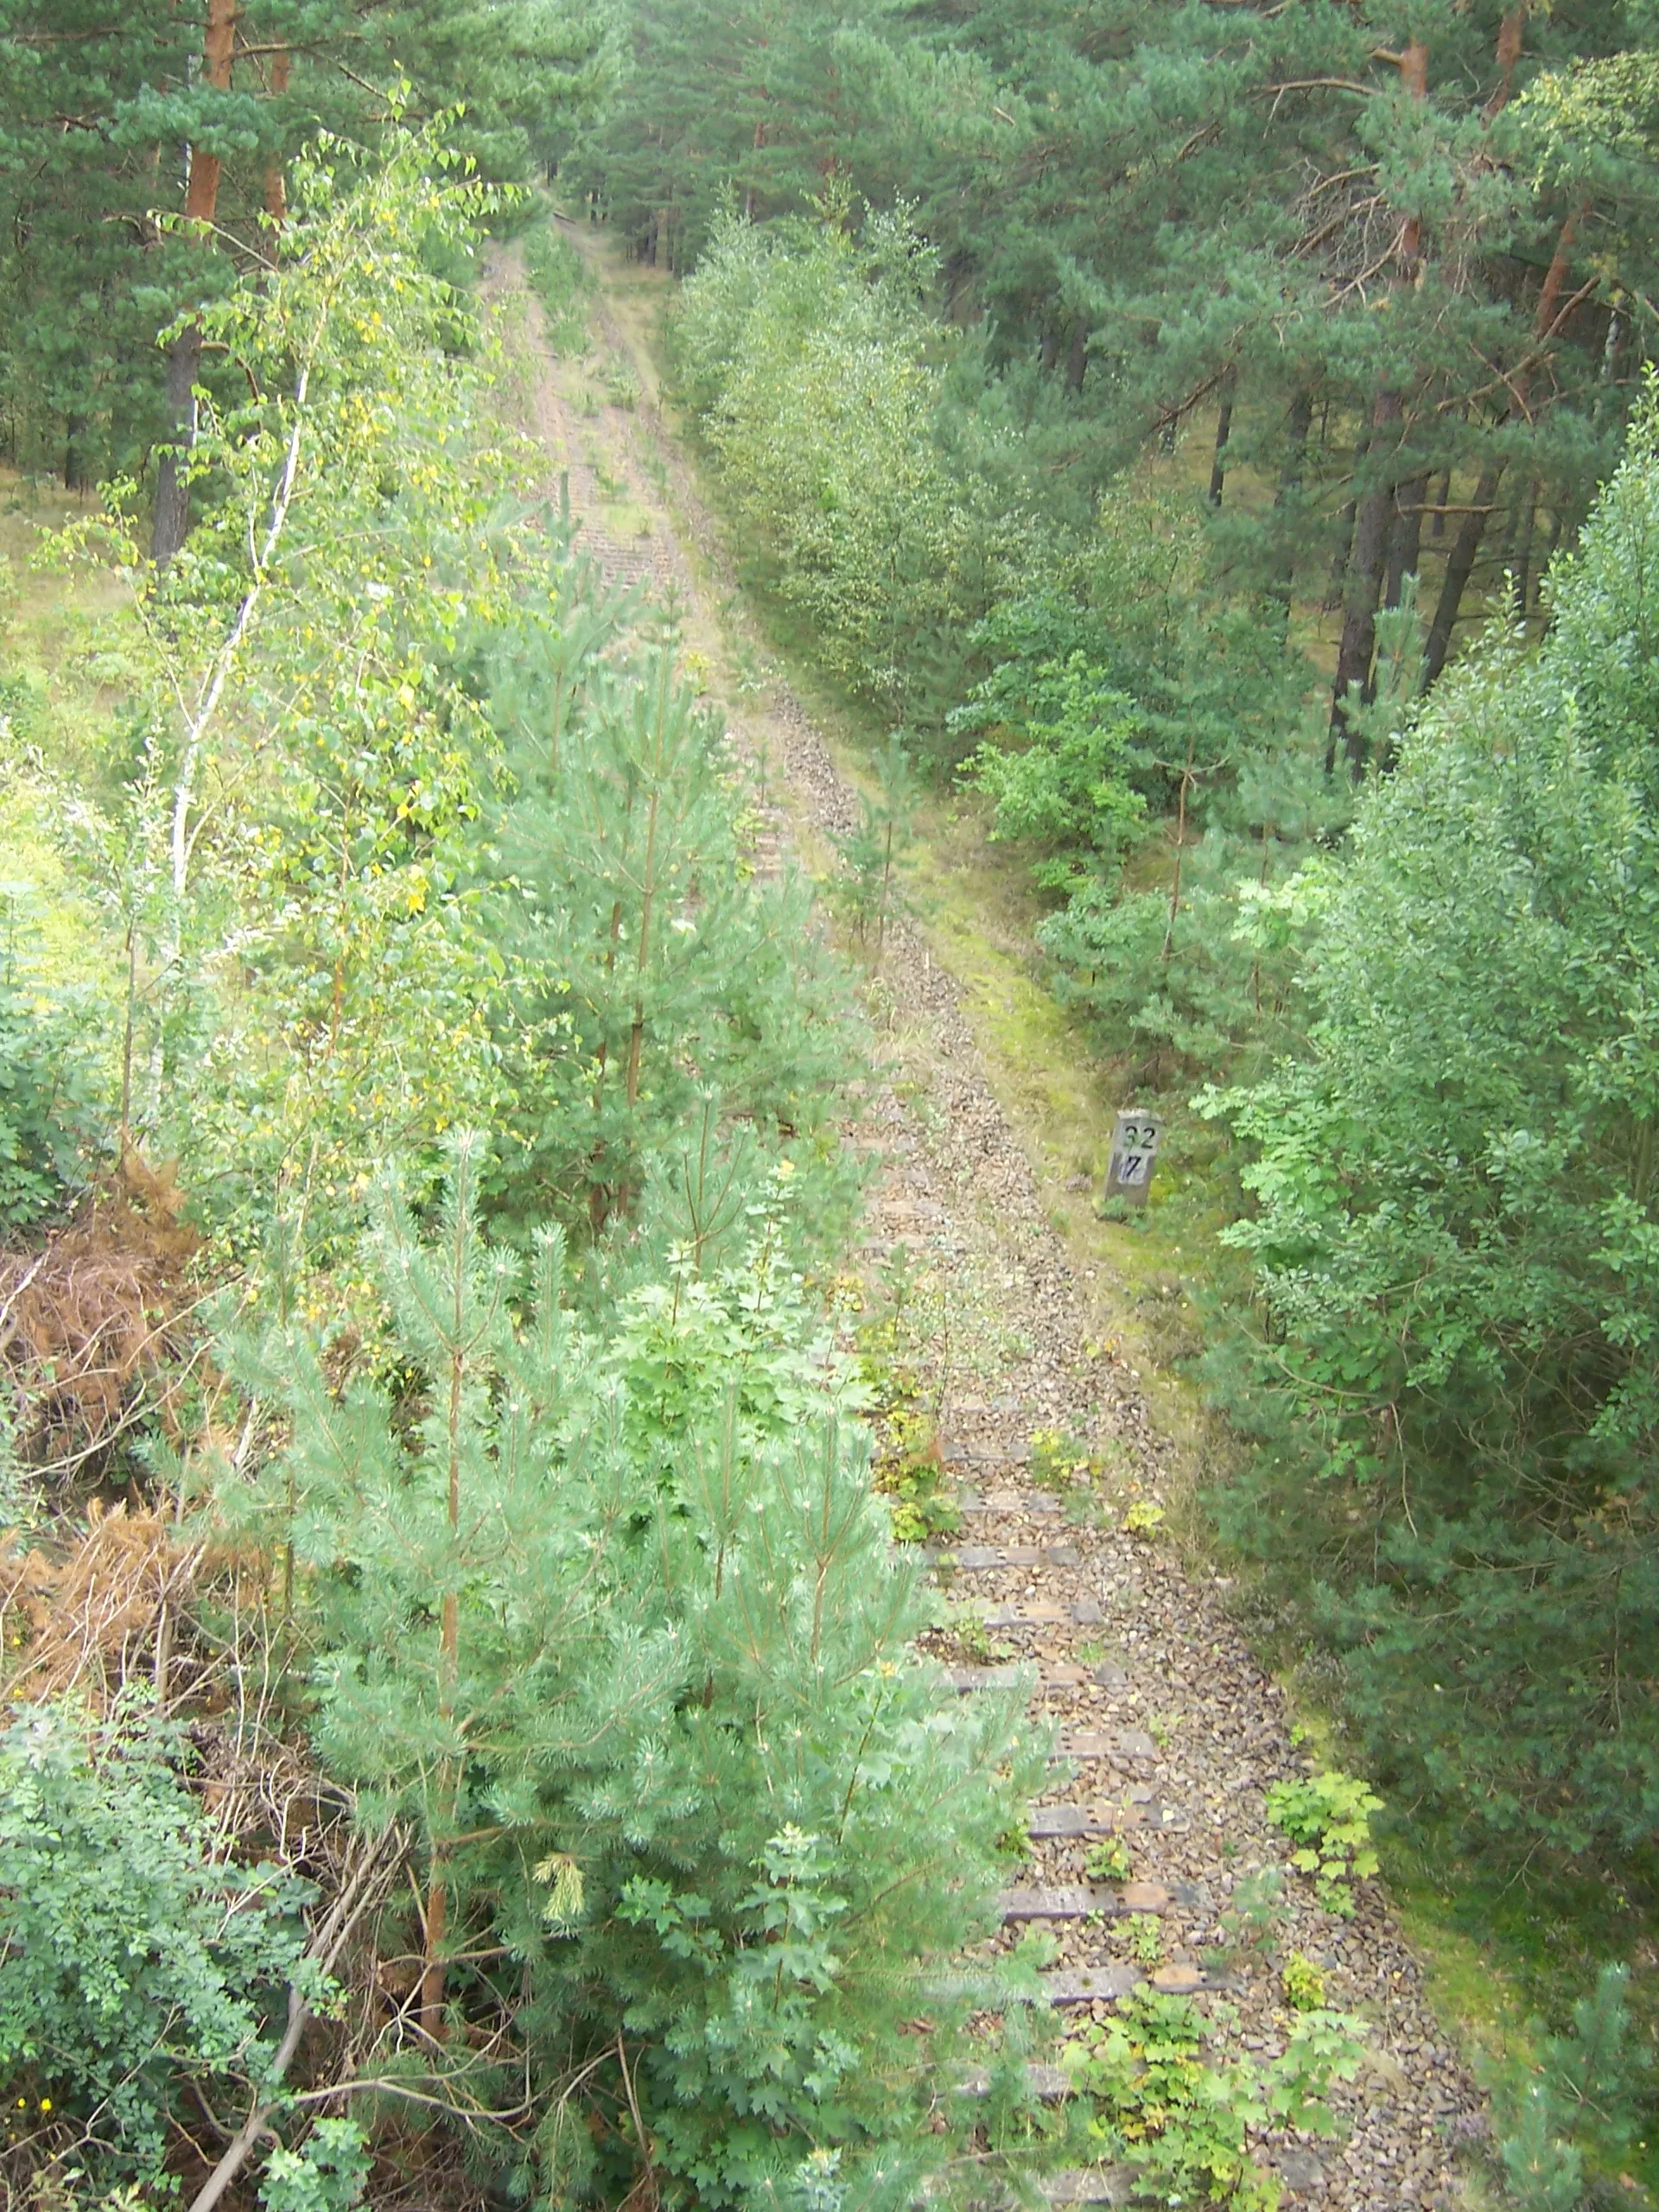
(324, 1949)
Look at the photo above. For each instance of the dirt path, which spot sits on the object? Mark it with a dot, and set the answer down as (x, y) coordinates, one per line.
(1173, 1731)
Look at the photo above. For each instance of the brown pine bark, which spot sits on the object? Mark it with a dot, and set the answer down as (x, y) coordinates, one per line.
(1459, 567)
(1344, 545)
(1405, 537)
(1376, 513)
(172, 520)
(1511, 35)
(276, 171)
(1522, 569)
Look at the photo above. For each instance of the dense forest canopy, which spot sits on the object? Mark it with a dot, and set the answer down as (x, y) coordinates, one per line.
(142, 164)
(1396, 259)
(474, 1731)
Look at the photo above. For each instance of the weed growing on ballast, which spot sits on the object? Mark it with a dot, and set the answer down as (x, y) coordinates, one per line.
(1255, 1914)
(1327, 1815)
(1109, 1861)
(1302, 1983)
(1172, 2100)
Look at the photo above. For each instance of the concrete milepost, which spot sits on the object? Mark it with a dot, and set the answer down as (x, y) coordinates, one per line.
(1135, 1139)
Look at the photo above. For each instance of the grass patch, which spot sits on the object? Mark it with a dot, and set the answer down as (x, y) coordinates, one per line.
(59, 670)
(623, 518)
(562, 283)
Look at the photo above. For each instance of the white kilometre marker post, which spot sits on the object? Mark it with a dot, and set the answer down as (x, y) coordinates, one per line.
(1135, 1139)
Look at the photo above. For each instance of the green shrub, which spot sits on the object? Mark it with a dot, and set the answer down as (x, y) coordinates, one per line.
(733, 1836)
(1056, 757)
(1254, 1913)
(47, 1118)
(1576, 2102)
(558, 277)
(1454, 1230)
(328, 2173)
(1184, 2120)
(653, 994)
(1061, 1461)
(810, 358)
(138, 1958)
(1109, 1860)
(1303, 1984)
(869, 892)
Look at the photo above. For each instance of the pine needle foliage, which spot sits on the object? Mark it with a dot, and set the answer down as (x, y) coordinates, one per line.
(651, 966)
(1575, 2107)
(609, 1615)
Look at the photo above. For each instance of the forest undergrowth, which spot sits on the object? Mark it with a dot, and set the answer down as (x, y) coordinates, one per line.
(1413, 1612)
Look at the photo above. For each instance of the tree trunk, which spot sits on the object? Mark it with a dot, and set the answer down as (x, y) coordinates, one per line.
(1459, 567)
(1557, 523)
(1442, 500)
(1610, 350)
(1365, 568)
(1298, 423)
(1511, 32)
(276, 171)
(74, 466)
(172, 521)
(1224, 431)
(1373, 524)
(1405, 537)
(1522, 582)
(1180, 848)
(1346, 534)
(1077, 360)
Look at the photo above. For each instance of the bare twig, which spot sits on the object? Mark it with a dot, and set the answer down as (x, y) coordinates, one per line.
(325, 1948)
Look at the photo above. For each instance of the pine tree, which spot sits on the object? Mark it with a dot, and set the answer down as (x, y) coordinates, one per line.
(611, 1619)
(651, 967)
(1385, 248)
(142, 170)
